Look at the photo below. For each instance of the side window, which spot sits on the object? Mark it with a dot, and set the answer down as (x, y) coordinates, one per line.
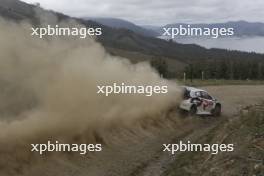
(186, 94)
(198, 94)
(205, 95)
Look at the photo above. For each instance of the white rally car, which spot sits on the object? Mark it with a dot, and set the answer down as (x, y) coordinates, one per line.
(199, 102)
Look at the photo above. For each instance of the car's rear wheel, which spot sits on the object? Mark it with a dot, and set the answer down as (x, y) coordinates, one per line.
(217, 110)
(193, 110)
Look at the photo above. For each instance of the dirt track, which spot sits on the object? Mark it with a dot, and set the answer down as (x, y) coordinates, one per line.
(139, 152)
(234, 97)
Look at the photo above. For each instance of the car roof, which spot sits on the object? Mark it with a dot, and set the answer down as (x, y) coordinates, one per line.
(193, 89)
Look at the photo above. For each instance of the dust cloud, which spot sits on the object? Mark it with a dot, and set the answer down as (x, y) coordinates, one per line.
(48, 91)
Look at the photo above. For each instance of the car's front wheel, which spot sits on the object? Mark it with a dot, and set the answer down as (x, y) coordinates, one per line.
(193, 110)
(217, 110)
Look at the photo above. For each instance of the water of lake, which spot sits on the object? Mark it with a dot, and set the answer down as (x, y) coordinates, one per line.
(250, 44)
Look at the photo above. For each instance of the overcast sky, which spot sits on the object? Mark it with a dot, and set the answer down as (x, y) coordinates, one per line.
(160, 12)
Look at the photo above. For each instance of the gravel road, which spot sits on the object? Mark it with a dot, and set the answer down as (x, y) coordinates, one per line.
(139, 152)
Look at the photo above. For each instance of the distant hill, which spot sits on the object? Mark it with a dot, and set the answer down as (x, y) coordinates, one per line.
(151, 27)
(114, 38)
(119, 23)
(136, 47)
(16, 10)
(241, 28)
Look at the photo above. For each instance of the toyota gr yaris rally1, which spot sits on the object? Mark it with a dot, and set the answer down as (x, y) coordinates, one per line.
(199, 102)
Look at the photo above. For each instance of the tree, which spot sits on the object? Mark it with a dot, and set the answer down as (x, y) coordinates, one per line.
(160, 65)
(260, 71)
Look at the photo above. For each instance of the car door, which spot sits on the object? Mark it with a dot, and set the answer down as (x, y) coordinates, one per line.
(198, 100)
(207, 102)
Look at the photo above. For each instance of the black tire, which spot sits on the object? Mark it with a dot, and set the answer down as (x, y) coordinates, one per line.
(217, 110)
(183, 113)
(193, 110)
